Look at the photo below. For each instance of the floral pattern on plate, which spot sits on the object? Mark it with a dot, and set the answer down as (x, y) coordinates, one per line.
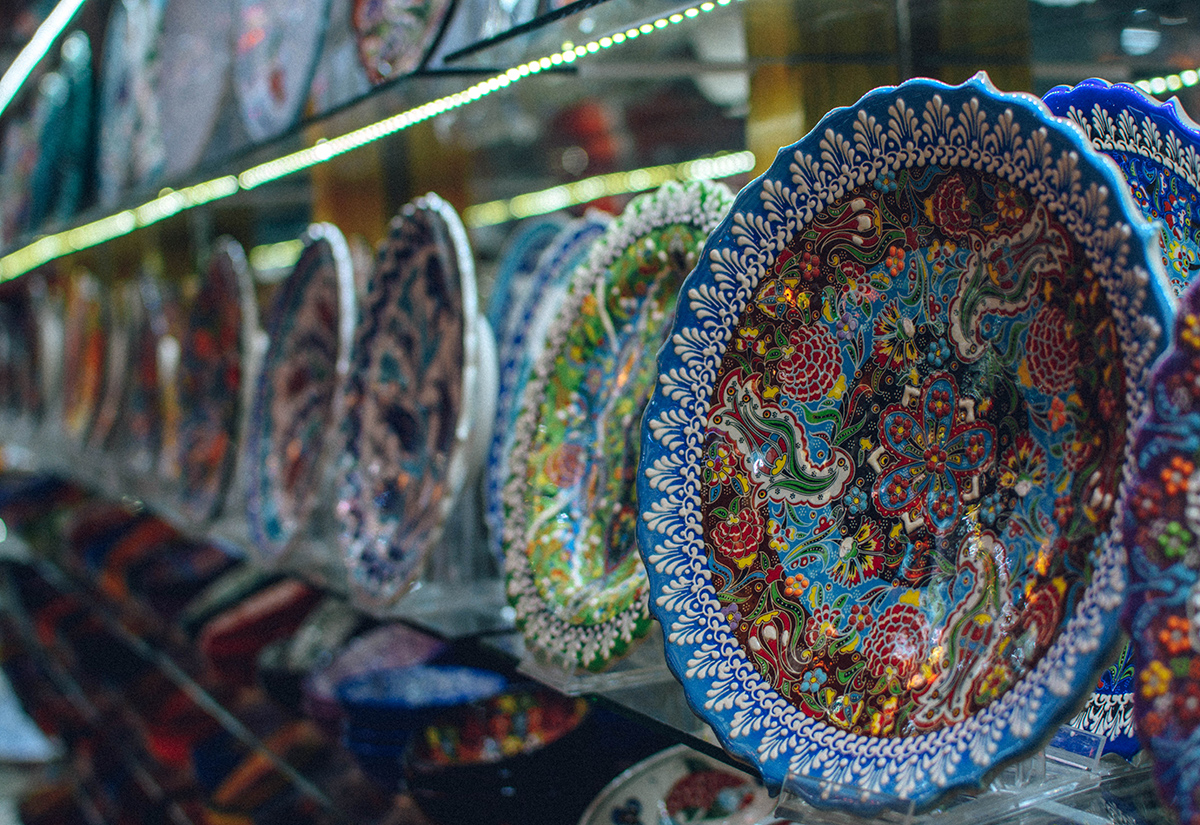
(573, 572)
(520, 347)
(276, 54)
(1157, 147)
(1109, 711)
(680, 786)
(878, 485)
(394, 36)
(84, 348)
(212, 380)
(299, 398)
(408, 403)
(1162, 523)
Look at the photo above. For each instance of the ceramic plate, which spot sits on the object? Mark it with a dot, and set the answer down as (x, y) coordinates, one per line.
(1157, 147)
(879, 477)
(277, 46)
(408, 402)
(169, 357)
(520, 347)
(20, 156)
(215, 353)
(83, 355)
(299, 398)
(1162, 523)
(1109, 710)
(49, 124)
(76, 69)
(138, 431)
(339, 77)
(515, 275)
(573, 572)
(195, 52)
(395, 35)
(116, 365)
(683, 786)
(130, 146)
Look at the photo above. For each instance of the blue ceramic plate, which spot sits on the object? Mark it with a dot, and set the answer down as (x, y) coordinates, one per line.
(386, 700)
(409, 402)
(277, 46)
(1162, 523)
(515, 275)
(300, 394)
(520, 346)
(76, 69)
(1157, 147)
(879, 475)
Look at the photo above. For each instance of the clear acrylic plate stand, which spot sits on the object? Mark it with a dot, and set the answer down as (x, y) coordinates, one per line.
(1051, 774)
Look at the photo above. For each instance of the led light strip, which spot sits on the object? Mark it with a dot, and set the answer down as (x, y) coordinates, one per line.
(48, 248)
(36, 49)
(615, 183)
(1169, 83)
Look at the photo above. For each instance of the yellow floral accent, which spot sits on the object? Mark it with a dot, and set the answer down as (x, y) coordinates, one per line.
(1155, 680)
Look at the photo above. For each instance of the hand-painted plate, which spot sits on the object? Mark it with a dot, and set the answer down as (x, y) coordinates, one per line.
(49, 124)
(84, 349)
(408, 407)
(1162, 523)
(277, 46)
(339, 77)
(299, 399)
(520, 347)
(1109, 710)
(195, 53)
(130, 146)
(137, 434)
(394, 36)
(76, 69)
(681, 785)
(573, 571)
(1157, 147)
(878, 481)
(213, 382)
(116, 367)
(514, 276)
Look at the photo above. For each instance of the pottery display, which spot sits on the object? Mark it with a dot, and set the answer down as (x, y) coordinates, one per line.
(879, 480)
(394, 38)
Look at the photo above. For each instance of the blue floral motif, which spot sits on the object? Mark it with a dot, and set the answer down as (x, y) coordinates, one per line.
(811, 681)
(856, 501)
(938, 353)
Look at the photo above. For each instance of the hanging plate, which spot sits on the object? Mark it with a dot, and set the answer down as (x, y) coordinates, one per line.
(879, 476)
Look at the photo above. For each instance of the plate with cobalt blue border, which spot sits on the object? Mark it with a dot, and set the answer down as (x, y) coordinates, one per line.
(879, 479)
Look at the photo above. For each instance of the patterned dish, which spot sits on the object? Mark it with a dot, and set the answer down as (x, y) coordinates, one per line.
(299, 398)
(339, 76)
(409, 401)
(1109, 711)
(17, 164)
(520, 347)
(574, 577)
(50, 126)
(515, 275)
(683, 786)
(195, 54)
(1162, 523)
(83, 355)
(213, 384)
(76, 69)
(277, 46)
(1157, 147)
(394, 36)
(138, 432)
(878, 482)
(116, 367)
(130, 144)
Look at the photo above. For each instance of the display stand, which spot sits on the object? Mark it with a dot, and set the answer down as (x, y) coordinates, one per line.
(645, 664)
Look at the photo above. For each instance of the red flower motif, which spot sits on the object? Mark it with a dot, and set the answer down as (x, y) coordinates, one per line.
(897, 642)
(949, 207)
(823, 626)
(1053, 354)
(564, 466)
(739, 535)
(810, 370)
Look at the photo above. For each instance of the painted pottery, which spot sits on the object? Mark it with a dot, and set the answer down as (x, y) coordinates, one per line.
(395, 37)
(879, 477)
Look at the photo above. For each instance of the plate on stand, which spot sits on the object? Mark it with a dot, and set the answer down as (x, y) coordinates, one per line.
(395, 38)
(879, 478)
(409, 402)
(573, 572)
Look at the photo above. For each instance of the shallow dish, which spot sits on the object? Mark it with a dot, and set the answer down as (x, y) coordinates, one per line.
(520, 345)
(573, 572)
(1157, 147)
(409, 402)
(276, 54)
(878, 487)
(215, 358)
(395, 38)
(681, 785)
(1162, 523)
(300, 394)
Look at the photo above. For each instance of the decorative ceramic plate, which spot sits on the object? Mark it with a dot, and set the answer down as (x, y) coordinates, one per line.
(116, 367)
(49, 124)
(277, 46)
(76, 69)
(339, 77)
(83, 355)
(138, 432)
(1109, 711)
(521, 346)
(299, 398)
(130, 144)
(684, 787)
(573, 571)
(20, 156)
(213, 384)
(394, 36)
(879, 477)
(169, 357)
(515, 275)
(195, 52)
(1157, 147)
(1162, 523)
(408, 403)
